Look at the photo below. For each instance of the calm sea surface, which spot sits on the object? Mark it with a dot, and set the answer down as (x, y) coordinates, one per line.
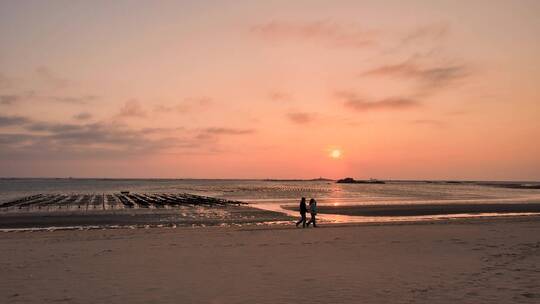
(279, 192)
(271, 195)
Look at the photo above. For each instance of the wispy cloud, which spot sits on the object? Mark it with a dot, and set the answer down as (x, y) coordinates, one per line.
(11, 140)
(430, 32)
(328, 32)
(132, 108)
(165, 109)
(85, 99)
(434, 74)
(12, 120)
(26, 138)
(9, 99)
(430, 78)
(276, 95)
(354, 102)
(160, 130)
(227, 131)
(187, 105)
(83, 116)
(58, 140)
(213, 133)
(300, 117)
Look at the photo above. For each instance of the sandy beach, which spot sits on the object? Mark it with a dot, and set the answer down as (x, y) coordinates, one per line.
(459, 261)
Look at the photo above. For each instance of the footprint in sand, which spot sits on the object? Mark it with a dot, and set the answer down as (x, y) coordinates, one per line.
(103, 252)
(415, 290)
(63, 300)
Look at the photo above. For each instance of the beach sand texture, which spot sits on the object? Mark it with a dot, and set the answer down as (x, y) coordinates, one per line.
(470, 261)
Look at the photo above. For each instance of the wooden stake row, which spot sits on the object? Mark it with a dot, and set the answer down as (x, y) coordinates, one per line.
(114, 201)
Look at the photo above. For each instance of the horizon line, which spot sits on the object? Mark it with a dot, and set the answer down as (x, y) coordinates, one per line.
(268, 179)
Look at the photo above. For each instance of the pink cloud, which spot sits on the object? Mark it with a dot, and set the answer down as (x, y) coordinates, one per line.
(132, 108)
(322, 31)
(300, 117)
(354, 102)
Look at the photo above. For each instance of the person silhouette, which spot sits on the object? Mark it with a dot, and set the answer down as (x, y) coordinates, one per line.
(313, 212)
(303, 210)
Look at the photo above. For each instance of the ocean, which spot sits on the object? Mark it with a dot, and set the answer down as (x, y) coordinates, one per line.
(271, 194)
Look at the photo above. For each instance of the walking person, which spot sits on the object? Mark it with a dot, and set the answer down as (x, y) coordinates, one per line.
(303, 210)
(313, 212)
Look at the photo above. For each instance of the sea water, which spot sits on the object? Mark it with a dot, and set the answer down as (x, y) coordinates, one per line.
(265, 192)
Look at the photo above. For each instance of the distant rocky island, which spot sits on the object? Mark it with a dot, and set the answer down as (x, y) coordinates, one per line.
(320, 179)
(350, 180)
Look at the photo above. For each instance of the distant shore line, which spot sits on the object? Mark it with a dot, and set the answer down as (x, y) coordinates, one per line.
(530, 185)
(426, 209)
(448, 181)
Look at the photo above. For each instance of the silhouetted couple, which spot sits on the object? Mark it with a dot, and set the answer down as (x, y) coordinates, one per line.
(303, 211)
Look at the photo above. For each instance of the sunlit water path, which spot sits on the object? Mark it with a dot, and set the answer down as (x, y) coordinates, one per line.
(272, 195)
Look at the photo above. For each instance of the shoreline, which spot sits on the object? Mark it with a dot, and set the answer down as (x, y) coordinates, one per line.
(83, 211)
(279, 222)
(390, 210)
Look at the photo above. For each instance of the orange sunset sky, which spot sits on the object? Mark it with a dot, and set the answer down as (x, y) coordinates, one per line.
(268, 89)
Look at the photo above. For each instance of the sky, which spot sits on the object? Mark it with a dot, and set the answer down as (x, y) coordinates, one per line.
(270, 89)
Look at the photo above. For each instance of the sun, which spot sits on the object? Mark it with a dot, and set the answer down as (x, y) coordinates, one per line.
(335, 153)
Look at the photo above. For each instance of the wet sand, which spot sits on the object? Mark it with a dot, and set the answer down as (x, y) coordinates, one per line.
(460, 261)
(426, 209)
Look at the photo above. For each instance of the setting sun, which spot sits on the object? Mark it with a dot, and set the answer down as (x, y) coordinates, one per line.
(335, 154)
